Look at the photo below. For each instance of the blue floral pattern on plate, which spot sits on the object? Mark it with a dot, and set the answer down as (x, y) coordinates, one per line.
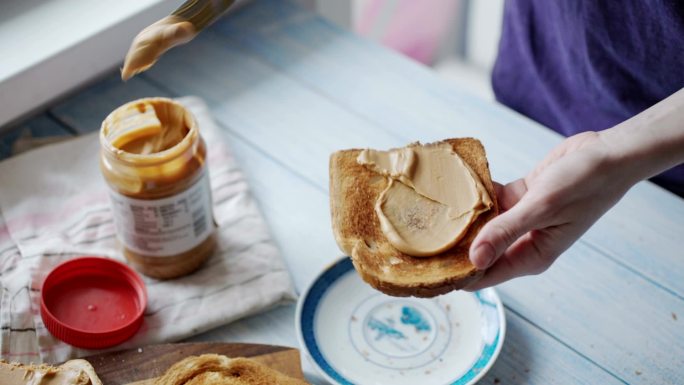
(397, 340)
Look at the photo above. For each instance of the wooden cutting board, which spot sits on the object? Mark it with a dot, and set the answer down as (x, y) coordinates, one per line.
(141, 366)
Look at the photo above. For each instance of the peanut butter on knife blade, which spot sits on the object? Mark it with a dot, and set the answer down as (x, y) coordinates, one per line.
(178, 28)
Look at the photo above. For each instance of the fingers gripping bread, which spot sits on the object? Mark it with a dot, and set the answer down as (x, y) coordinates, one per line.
(353, 192)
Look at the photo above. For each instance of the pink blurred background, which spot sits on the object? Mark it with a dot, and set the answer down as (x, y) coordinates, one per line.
(415, 28)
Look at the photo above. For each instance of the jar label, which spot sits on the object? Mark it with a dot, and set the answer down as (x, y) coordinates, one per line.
(166, 226)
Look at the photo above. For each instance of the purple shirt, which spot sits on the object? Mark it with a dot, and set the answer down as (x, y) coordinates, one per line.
(580, 65)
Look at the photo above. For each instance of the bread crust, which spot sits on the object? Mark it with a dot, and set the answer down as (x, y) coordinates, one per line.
(353, 192)
(215, 369)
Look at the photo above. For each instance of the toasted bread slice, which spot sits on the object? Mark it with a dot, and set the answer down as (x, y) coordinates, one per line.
(215, 369)
(353, 192)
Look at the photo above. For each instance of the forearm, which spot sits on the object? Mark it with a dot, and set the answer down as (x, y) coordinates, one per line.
(650, 142)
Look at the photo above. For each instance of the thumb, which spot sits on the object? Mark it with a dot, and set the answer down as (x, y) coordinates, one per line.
(499, 233)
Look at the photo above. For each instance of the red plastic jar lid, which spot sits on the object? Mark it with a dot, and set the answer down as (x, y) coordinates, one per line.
(93, 302)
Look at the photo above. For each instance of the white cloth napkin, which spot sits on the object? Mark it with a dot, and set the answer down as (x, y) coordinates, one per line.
(54, 206)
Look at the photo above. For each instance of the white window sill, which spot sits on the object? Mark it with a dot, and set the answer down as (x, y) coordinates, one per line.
(48, 47)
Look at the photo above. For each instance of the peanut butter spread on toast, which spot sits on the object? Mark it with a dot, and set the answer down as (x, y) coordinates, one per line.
(74, 372)
(431, 199)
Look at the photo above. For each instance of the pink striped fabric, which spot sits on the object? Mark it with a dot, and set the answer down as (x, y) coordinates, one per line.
(415, 28)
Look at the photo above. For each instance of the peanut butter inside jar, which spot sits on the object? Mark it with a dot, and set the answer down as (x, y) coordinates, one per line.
(154, 161)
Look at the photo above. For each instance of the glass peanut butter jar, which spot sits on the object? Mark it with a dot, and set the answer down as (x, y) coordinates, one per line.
(154, 161)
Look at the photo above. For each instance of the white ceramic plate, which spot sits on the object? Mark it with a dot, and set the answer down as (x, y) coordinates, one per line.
(357, 335)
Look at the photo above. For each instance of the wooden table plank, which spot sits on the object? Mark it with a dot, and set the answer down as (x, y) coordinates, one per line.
(296, 211)
(525, 355)
(297, 214)
(93, 104)
(371, 81)
(289, 123)
(643, 232)
(624, 324)
(36, 131)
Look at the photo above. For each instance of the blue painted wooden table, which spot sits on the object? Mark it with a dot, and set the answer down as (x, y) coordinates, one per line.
(287, 88)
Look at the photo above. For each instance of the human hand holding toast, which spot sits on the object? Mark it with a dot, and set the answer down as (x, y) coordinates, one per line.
(545, 212)
(381, 203)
